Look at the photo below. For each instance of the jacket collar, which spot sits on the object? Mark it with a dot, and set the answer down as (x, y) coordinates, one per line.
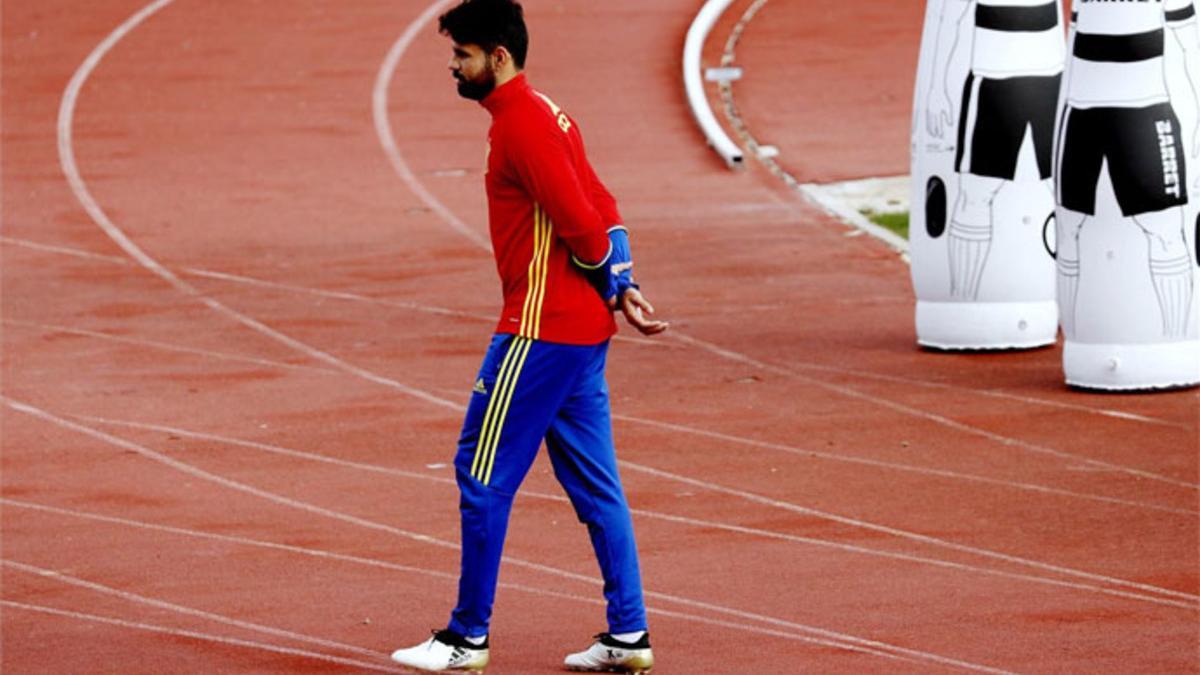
(504, 94)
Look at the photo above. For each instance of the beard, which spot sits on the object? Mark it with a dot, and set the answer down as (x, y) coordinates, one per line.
(478, 88)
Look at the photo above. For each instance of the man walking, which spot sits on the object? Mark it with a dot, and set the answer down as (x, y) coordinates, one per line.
(564, 263)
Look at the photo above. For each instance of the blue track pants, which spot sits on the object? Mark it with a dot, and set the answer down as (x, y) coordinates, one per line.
(528, 391)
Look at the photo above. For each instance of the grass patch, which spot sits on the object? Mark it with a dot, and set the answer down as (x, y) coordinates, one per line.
(895, 221)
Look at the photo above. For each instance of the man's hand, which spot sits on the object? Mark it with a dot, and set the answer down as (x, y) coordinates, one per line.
(636, 308)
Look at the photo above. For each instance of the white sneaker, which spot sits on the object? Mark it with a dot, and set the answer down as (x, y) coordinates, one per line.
(607, 654)
(446, 650)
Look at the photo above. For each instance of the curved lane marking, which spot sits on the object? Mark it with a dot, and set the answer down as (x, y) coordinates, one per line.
(252, 281)
(906, 468)
(391, 566)
(66, 150)
(767, 501)
(379, 108)
(850, 392)
(677, 428)
(165, 346)
(444, 311)
(194, 635)
(635, 420)
(446, 576)
(187, 611)
(1193, 600)
(655, 515)
(892, 650)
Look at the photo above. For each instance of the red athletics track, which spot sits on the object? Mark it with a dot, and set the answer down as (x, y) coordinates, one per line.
(225, 438)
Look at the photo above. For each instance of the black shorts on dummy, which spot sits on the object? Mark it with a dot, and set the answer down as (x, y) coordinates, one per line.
(1145, 154)
(998, 111)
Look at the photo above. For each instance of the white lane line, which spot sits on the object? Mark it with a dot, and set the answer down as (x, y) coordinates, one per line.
(655, 515)
(187, 611)
(233, 539)
(194, 635)
(235, 485)
(70, 168)
(693, 430)
(932, 417)
(379, 107)
(252, 281)
(445, 576)
(908, 468)
(1193, 600)
(669, 426)
(224, 356)
(878, 464)
(62, 250)
(337, 295)
(443, 311)
(304, 290)
(459, 407)
(383, 564)
(361, 522)
(992, 393)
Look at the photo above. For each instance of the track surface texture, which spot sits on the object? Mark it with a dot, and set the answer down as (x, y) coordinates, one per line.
(245, 295)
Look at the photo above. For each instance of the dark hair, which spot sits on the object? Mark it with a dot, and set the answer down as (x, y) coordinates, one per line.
(489, 24)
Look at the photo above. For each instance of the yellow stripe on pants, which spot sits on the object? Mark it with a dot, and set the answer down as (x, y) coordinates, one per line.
(493, 406)
(494, 439)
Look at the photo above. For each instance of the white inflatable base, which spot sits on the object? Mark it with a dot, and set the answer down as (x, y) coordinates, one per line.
(986, 325)
(1131, 367)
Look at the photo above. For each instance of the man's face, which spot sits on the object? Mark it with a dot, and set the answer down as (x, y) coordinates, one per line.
(474, 70)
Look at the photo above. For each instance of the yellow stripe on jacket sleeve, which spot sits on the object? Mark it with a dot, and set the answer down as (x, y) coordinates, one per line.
(535, 293)
(547, 241)
(531, 293)
(531, 275)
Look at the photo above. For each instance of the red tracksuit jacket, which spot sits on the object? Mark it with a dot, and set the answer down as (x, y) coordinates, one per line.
(545, 203)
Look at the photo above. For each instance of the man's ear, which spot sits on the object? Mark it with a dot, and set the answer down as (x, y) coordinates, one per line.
(501, 56)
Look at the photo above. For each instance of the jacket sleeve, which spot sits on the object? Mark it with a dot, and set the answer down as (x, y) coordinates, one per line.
(602, 199)
(542, 160)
